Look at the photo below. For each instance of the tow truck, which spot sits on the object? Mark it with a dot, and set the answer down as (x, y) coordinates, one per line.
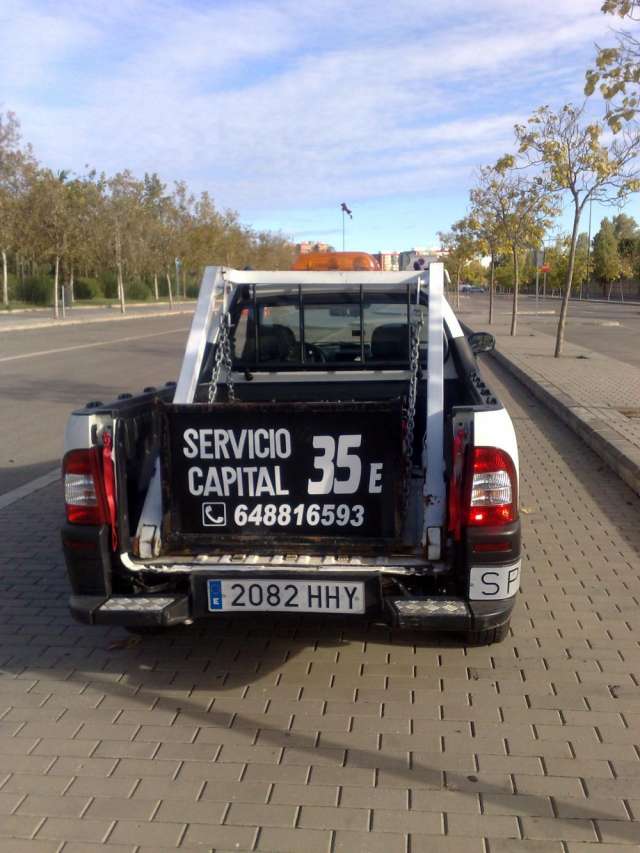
(330, 447)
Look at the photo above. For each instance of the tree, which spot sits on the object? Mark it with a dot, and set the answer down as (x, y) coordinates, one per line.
(575, 161)
(557, 257)
(625, 227)
(485, 224)
(606, 259)
(47, 221)
(522, 208)
(122, 209)
(462, 247)
(16, 166)
(617, 71)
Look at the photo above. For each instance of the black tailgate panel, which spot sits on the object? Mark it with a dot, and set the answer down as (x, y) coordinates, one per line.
(266, 475)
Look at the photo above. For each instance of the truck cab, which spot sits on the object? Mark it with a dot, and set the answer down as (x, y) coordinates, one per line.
(330, 447)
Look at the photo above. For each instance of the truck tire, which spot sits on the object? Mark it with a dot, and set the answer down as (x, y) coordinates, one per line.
(487, 636)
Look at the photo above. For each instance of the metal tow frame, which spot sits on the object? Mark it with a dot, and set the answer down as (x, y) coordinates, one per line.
(205, 324)
(433, 450)
(213, 302)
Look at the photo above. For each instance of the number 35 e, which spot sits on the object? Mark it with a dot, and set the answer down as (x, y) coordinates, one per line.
(340, 467)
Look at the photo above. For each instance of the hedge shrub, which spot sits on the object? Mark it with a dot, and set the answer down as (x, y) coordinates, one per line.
(88, 288)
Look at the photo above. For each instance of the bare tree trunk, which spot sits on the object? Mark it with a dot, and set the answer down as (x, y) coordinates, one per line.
(155, 285)
(5, 279)
(72, 295)
(516, 283)
(492, 284)
(119, 272)
(56, 280)
(121, 289)
(458, 271)
(170, 291)
(562, 322)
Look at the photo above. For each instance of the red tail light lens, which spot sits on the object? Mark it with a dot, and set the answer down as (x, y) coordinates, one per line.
(493, 498)
(83, 499)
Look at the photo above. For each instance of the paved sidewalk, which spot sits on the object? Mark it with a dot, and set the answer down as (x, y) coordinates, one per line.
(282, 734)
(82, 315)
(596, 396)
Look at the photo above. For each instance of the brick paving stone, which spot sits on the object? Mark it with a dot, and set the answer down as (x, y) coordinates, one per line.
(369, 842)
(434, 844)
(617, 831)
(222, 837)
(254, 814)
(328, 817)
(371, 798)
(310, 795)
(558, 828)
(144, 832)
(51, 806)
(517, 804)
(67, 829)
(179, 811)
(592, 809)
(512, 845)
(16, 845)
(279, 840)
(385, 820)
(121, 808)
(479, 826)
(19, 826)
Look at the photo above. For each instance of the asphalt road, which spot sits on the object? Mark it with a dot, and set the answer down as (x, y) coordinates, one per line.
(609, 328)
(45, 373)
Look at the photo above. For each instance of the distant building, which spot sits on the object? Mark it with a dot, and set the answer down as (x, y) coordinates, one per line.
(388, 261)
(308, 246)
(407, 259)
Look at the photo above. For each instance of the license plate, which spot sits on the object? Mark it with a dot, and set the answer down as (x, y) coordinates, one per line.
(286, 595)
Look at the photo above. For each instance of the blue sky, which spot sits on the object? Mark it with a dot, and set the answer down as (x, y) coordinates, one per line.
(282, 110)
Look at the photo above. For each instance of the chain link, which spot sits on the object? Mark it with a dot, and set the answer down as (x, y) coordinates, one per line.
(414, 370)
(222, 364)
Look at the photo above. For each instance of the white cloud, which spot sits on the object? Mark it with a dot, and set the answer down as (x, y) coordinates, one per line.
(268, 103)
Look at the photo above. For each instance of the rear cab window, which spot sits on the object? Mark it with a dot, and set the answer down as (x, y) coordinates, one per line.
(320, 329)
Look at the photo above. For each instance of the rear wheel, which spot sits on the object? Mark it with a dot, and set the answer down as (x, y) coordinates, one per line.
(487, 636)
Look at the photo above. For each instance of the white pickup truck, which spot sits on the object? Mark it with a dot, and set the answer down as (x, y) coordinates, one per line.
(330, 447)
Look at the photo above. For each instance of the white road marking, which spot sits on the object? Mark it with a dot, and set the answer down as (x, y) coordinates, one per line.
(90, 346)
(26, 489)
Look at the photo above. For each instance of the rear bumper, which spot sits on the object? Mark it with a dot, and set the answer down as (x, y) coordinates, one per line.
(425, 613)
(93, 600)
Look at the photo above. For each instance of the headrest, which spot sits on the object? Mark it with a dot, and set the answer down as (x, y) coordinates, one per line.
(276, 342)
(389, 342)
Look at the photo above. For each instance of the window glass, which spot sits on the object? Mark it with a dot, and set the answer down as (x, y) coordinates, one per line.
(279, 330)
(385, 328)
(243, 346)
(333, 327)
(332, 332)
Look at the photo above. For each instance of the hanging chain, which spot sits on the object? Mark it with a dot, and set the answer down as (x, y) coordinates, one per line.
(222, 364)
(414, 370)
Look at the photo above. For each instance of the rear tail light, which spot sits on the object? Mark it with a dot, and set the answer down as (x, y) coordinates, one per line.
(84, 502)
(493, 498)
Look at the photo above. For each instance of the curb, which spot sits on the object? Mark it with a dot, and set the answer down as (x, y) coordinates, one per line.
(618, 453)
(25, 327)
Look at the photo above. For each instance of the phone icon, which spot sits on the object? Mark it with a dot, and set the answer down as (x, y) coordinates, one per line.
(214, 514)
